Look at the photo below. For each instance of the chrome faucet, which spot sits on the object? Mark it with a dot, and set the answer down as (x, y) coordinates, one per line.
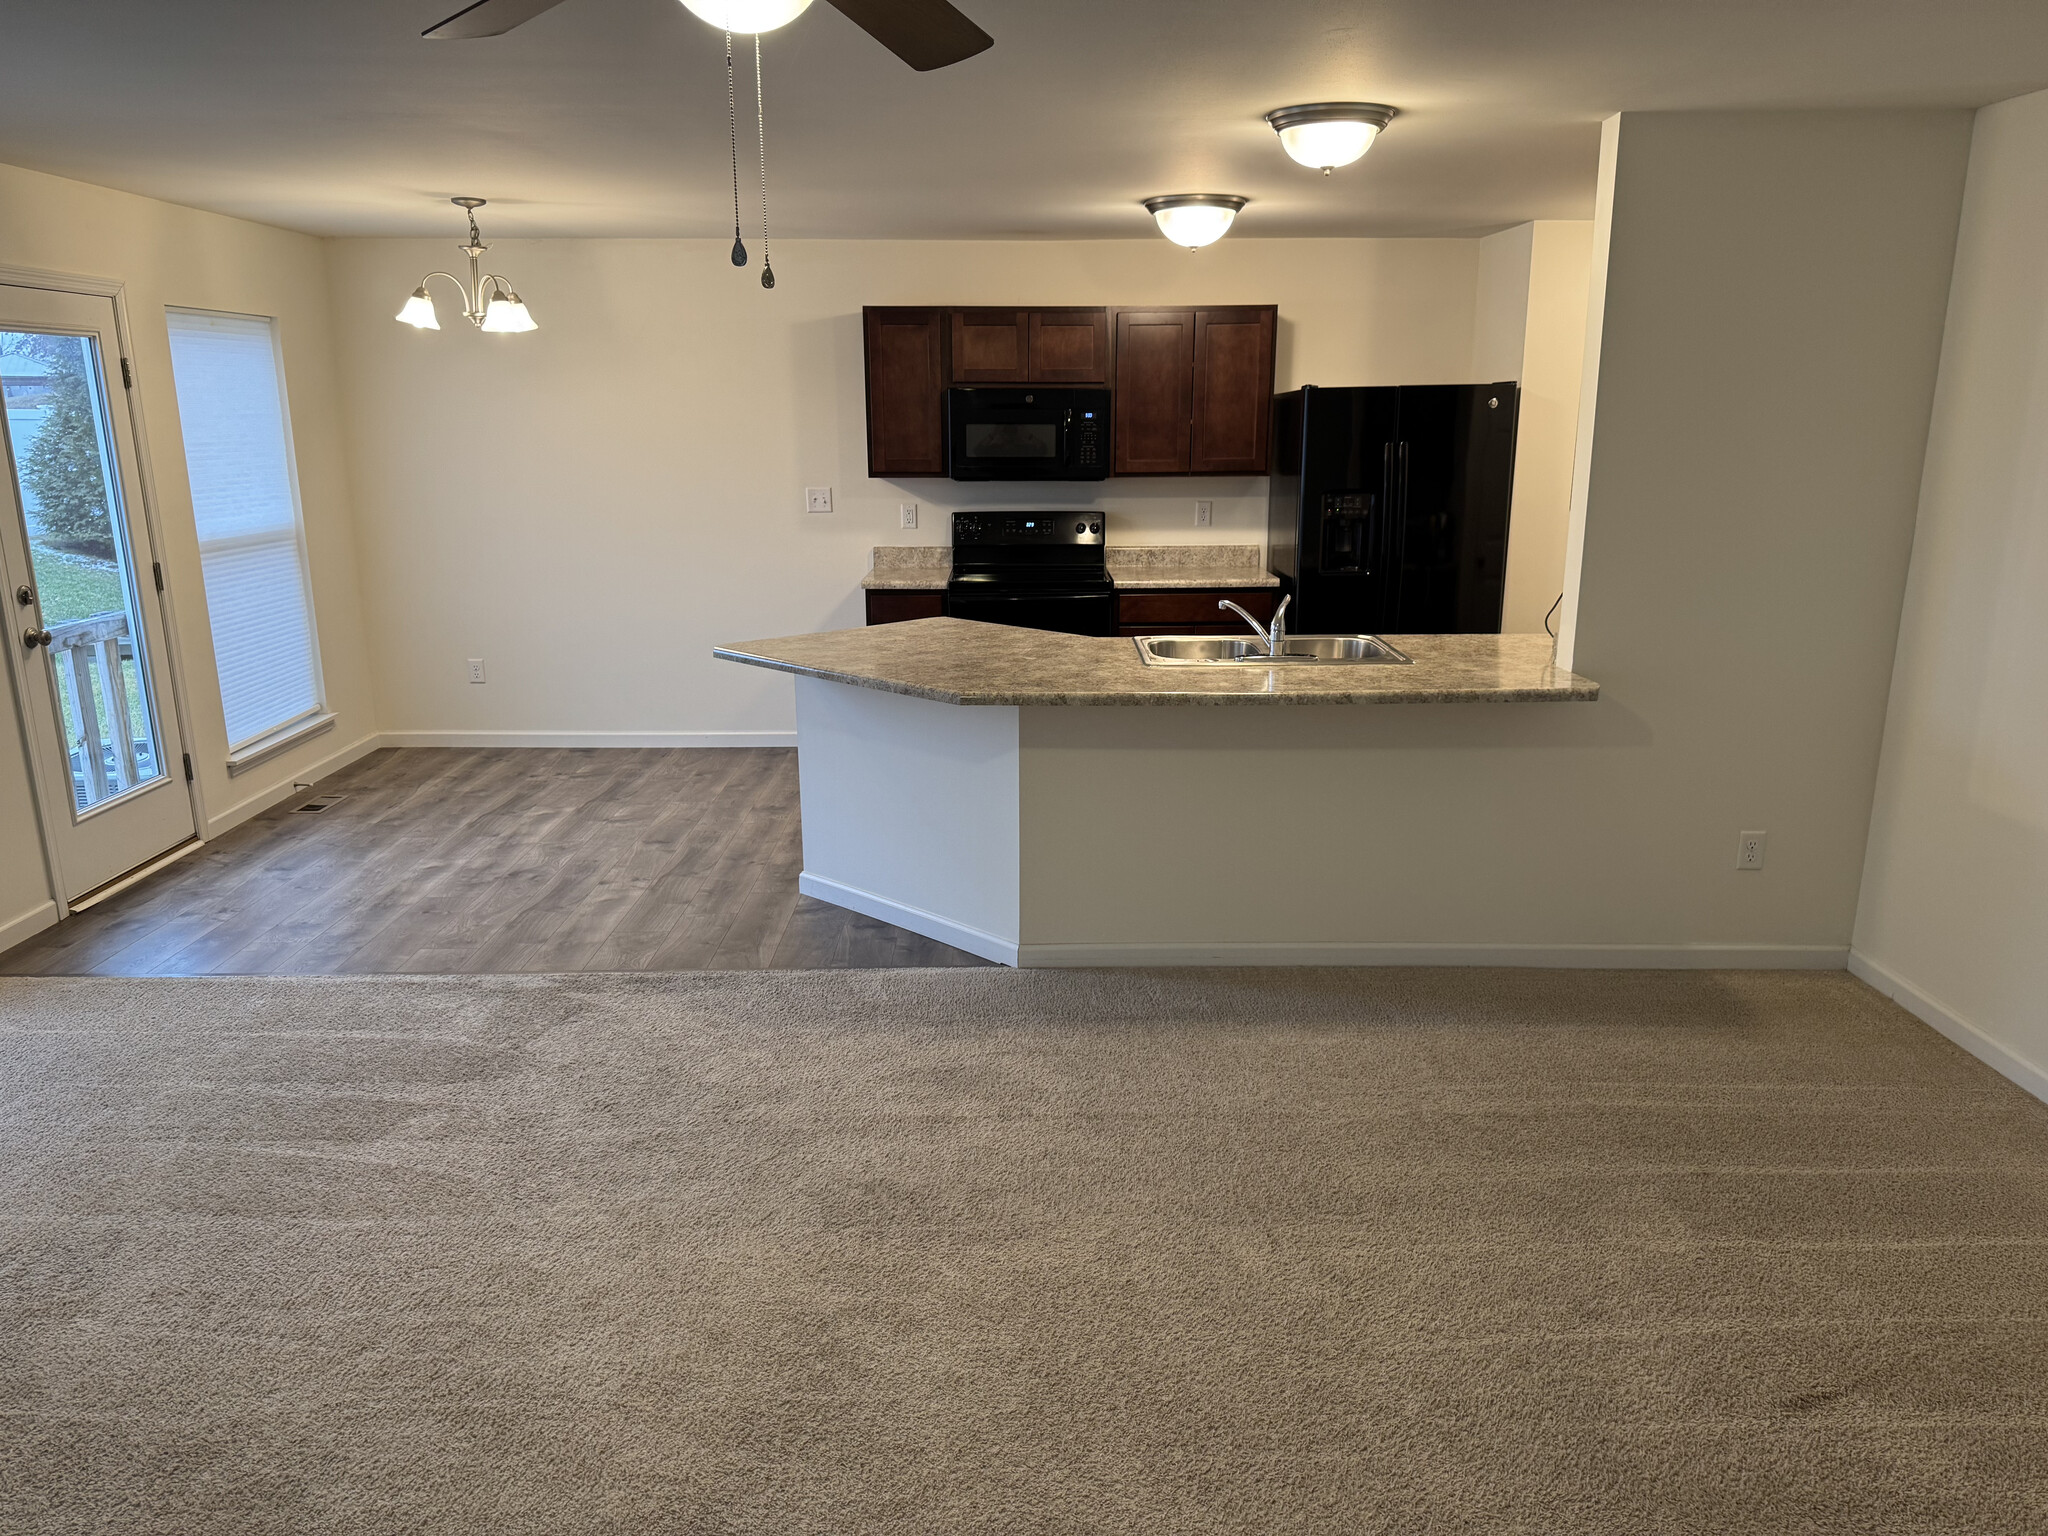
(1273, 636)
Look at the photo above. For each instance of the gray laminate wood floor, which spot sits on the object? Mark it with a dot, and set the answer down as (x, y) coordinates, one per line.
(500, 860)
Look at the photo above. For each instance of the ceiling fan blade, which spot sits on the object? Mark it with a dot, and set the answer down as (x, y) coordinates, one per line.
(925, 34)
(488, 18)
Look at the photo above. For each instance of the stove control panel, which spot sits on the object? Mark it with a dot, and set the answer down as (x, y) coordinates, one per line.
(1024, 530)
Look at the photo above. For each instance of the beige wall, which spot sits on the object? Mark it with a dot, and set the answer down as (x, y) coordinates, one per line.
(167, 255)
(1500, 307)
(1529, 324)
(1954, 915)
(1770, 319)
(593, 506)
(1553, 354)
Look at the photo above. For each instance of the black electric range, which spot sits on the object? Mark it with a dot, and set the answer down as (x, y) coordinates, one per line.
(1040, 570)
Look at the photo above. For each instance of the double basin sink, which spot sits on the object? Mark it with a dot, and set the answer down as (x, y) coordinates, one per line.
(1295, 651)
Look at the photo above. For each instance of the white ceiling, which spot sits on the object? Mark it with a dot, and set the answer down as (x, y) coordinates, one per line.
(607, 117)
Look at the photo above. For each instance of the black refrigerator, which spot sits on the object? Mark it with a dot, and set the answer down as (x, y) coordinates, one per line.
(1389, 510)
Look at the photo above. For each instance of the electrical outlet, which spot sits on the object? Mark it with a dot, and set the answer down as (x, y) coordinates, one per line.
(476, 669)
(1749, 850)
(818, 498)
(1205, 513)
(908, 512)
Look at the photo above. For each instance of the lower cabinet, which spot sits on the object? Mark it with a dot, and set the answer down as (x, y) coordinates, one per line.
(895, 607)
(1192, 611)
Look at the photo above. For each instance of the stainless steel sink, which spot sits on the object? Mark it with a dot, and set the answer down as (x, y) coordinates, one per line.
(1178, 650)
(1295, 651)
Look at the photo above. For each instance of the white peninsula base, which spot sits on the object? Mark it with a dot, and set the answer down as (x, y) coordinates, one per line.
(1139, 835)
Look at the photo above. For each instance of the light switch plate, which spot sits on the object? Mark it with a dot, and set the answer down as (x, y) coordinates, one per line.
(818, 498)
(908, 513)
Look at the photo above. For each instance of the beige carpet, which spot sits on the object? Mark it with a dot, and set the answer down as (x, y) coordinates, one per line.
(973, 1251)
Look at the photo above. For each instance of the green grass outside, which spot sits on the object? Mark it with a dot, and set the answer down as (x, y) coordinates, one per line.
(73, 587)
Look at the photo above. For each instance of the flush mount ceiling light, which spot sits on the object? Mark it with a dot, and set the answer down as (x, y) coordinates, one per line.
(1195, 219)
(499, 309)
(1327, 134)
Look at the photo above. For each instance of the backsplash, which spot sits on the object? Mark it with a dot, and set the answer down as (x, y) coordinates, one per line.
(1155, 555)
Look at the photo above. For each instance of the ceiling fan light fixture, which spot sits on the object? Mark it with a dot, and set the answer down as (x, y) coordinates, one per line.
(419, 311)
(1325, 134)
(748, 15)
(1195, 219)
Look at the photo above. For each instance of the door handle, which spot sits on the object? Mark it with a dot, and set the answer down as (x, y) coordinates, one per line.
(31, 638)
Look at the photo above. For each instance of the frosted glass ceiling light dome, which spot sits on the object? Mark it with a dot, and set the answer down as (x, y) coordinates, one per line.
(1195, 219)
(748, 15)
(1327, 134)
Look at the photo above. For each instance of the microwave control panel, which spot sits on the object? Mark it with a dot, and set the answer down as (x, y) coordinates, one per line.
(1085, 429)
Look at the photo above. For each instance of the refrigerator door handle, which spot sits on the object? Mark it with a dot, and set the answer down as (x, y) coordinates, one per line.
(1382, 537)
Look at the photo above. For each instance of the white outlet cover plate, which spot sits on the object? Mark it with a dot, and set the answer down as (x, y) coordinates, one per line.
(908, 513)
(1749, 850)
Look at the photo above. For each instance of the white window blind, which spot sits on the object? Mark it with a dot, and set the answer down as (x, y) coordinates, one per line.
(245, 499)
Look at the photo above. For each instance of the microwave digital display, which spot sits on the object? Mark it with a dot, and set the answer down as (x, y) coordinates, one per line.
(1011, 440)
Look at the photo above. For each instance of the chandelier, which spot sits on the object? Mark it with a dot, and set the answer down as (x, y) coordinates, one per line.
(499, 310)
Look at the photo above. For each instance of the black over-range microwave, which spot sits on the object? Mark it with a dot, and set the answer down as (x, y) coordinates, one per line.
(1029, 432)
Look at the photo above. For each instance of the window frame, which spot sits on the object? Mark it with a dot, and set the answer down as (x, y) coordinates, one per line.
(273, 738)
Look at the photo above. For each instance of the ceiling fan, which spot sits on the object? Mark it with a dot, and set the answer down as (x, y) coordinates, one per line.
(925, 34)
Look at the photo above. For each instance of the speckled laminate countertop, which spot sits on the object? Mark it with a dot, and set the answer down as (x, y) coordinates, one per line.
(959, 661)
(1132, 567)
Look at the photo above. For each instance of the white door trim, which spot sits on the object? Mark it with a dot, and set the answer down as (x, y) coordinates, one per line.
(115, 290)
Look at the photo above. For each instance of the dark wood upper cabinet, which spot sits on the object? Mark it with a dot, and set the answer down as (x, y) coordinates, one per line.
(1194, 387)
(906, 378)
(1069, 346)
(1233, 390)
(1155, 380)
(991, 346)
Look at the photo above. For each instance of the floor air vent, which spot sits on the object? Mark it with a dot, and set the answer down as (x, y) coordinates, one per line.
(320, 802)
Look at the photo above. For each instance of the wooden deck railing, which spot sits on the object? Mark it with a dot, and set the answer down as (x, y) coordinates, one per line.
(79, 649)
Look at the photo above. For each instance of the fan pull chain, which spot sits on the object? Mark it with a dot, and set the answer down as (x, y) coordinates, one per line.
(732, 120)
(761, 119)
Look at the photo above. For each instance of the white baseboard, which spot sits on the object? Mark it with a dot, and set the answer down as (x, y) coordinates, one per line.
(312, 773)
(1946, 1021)
(1654, 957)
(589, 739)
(27, 925)
(916, 919)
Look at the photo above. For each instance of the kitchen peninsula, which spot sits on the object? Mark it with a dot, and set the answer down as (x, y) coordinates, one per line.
(1048, 799)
